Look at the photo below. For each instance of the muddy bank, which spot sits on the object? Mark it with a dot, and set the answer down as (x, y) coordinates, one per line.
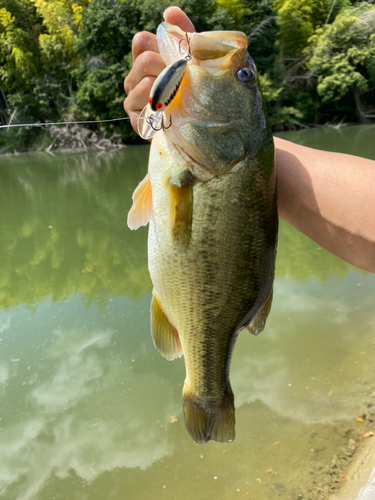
(346, 477)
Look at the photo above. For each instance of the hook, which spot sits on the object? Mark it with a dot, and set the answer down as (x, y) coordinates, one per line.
(150, 120)
(187, 40)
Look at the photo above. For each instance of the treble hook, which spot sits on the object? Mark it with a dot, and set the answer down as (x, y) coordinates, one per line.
(187, 40)
(150, 120)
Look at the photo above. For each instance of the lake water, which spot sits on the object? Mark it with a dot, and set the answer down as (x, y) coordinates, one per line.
(88, 408)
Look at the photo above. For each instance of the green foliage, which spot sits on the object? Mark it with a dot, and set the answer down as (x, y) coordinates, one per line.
(236, 9)
(67, 59)
(104, 42)
(343, 55)
(297, 21)
(19, 61)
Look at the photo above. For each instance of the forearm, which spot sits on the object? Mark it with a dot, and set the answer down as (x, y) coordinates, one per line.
(330, 197)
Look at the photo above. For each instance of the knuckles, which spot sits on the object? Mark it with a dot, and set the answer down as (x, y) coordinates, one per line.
(143, 41)
(147, 64)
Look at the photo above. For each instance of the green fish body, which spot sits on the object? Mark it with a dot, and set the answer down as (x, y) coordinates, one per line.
(210, 198)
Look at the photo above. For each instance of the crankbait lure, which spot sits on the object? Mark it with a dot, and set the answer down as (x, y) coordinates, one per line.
(166, 85)
(162, 94)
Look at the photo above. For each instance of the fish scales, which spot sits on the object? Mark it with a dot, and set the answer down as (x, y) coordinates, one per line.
(213, 225)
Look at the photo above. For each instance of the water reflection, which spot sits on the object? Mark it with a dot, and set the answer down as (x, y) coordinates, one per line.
(306, 366)
(90, 410)
(63, 228)
(63, 231)
(80, 409)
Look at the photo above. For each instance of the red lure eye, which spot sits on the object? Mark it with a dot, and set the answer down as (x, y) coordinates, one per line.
(150, 101)
(159, 105)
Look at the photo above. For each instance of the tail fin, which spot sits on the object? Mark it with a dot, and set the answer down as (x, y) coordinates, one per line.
(209, 420)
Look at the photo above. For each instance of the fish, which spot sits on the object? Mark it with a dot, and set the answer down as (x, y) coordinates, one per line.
(210, 200)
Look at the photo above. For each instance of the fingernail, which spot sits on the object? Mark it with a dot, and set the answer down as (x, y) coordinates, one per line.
(169, 8)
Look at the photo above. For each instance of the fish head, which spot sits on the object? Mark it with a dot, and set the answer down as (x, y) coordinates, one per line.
(218, 114)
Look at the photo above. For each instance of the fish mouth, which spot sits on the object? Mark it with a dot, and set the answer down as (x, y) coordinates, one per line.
(174, 44)
(209, 142)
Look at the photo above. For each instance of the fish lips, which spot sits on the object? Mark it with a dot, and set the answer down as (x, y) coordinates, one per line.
(174, 44)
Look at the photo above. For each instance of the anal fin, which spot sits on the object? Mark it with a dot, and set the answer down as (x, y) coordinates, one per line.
(140, 212)
(181, 207)
(258, 323)
(164, 334)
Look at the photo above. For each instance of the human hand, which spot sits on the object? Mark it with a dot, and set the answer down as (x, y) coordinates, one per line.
(147, 64)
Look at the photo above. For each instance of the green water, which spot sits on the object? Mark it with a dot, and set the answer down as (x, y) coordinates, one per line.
(88, 408)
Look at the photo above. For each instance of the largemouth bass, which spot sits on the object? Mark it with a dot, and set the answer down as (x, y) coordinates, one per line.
(210, 199)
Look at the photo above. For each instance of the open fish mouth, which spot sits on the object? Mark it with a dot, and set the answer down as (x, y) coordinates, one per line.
(175, 44)
(204, 128)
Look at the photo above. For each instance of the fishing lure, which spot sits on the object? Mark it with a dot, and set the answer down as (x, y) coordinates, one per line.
(166, 85)
(162, 94)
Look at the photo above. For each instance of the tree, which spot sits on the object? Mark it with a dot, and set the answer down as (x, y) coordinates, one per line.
(104, 42)
(20, 27)
(61, 19)
(343, 57)
(297, 20)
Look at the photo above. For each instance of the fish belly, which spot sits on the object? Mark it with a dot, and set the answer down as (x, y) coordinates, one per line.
(213, 286)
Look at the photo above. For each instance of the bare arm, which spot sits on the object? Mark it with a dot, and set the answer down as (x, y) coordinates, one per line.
(330, 197)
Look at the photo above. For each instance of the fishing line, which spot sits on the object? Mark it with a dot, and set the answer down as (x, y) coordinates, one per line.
(62, 123)
(149, 119)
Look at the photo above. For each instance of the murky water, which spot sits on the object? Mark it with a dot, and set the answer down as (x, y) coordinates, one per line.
(88, 408)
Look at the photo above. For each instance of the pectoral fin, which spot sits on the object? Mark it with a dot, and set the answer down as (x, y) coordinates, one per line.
(257, 324)
(140, 212)
(164, 334)
(181, 207)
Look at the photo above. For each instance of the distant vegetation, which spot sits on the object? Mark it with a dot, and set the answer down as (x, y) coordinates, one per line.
(64, 60)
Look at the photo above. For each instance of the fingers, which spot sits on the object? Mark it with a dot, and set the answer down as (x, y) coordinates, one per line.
(174, 15)
(137, 100)
(142, 42)
(147, 64)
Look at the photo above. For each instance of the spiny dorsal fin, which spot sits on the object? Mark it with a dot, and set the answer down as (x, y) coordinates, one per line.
(257, 324)
(140, 212)
(164, 334)
(181, 207)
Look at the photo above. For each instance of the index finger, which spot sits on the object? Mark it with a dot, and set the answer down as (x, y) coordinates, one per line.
(176, 16)
(143, 42)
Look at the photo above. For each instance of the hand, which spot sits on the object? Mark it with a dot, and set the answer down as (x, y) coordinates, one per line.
(147, 64)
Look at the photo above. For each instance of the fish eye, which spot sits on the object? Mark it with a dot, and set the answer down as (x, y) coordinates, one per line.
(245, 75)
